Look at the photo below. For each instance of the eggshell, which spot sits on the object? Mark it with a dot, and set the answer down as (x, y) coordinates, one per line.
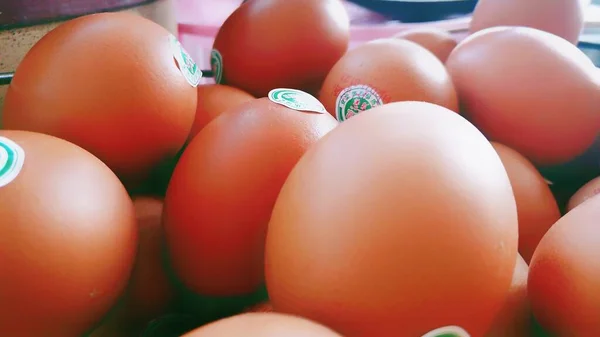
(398, 222)
(563, 18)
(109, 83)
(149, 292)
(511, 85)
(564, 274)
(69, 237)
(268, 44)
(438, 41)
(515, 317)
(223, 189)
(536, 206)
(588, 191)
(385, 71)
(263, 325)
(213, 100)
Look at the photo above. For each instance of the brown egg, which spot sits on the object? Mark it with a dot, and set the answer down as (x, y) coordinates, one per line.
(69, 237)
(385, 71)
(515, 317)
(268, 44)
(536, 206)
(109, 83)
(589, 190)
(397, 222)
(564, 274)
(563, 18)
(438, 41)
(511, 85)
(213, 100)
(223, 189)
(263, 325)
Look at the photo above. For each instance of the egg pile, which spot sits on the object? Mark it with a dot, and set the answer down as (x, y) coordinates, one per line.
(411, 186)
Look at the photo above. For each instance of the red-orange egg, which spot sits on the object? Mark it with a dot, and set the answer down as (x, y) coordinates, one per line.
(268, 44)
(263, 325)
(398, 222)
(563, 18)
(564, 274)
(68, 233)
(511, 85)
(536, 206)
(385, 71)
(586, 192)
(223, 189)
(514, 320)
(438, 41)
(213, 100)
(111, 84)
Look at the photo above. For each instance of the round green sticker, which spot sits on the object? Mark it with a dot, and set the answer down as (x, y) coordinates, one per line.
(186, 64)
(448, 331)
(296, 99)
(355, 99)
(216, 64)
(12, 158)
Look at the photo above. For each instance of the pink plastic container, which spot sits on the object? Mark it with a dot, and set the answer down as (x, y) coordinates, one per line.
(199, 22)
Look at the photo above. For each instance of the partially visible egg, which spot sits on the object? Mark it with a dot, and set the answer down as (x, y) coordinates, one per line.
(438, 41)
(263, 325)
(385, 71)
(563, 18)
(564, 274)
(116, 84)
(68, 237)
(261, 307)
(511, 85)
(515, 317)
(588, 191)
(399, 221)
(223, 189)
(536, 206)
(269, 44)
(213, 100)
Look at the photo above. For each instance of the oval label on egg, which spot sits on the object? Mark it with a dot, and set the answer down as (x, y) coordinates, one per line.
(297, 100)
(186, 64)
(216, 65)
(354, 100)
(12, 158)
(448, 331)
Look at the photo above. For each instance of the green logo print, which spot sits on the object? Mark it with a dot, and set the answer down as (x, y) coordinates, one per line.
(296, 99)
(12, 158)
(186, 64)
(354, 100)
(448, 331)
(216, 64)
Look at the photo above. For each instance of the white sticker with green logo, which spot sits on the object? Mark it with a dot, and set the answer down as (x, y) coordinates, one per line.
(448, 331)
(216, 64)
(354, 100)
(186, 64)
(296, 99)
(12, 158)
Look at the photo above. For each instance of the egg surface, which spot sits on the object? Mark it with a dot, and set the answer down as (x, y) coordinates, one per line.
(438, 41)
(110, 83)
(396, 223)
(385, 71)
(268, 44)
(589, 190)
(563, 18)
(68, 237)
(564, 274)
(511, 85)
(213, 100)
(536, 206)
(223, 189)
(262, 325)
